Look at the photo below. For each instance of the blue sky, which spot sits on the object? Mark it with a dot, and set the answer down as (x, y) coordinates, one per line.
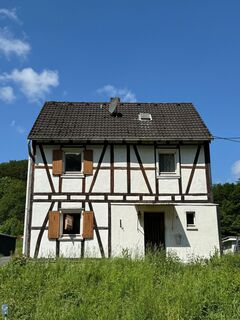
(155, 50)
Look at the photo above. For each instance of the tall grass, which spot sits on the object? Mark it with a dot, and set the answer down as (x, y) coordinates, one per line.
(152, 288)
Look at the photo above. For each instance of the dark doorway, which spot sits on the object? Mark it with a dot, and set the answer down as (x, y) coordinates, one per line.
(154, 230)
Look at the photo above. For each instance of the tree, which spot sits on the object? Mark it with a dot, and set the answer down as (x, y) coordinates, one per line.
(228, 197)
(12, 205)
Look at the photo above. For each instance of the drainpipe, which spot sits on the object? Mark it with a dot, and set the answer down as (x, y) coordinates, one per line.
(28, 206)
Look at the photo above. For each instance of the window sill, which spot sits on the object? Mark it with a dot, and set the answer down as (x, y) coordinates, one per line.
(72, 175)
(69, 237)
(168, 176)
(192, 229)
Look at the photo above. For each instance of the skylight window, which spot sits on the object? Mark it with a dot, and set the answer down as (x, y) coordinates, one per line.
(144, 117)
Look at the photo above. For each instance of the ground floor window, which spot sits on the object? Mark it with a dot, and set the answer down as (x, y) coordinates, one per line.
(190, 216)
(70, 221)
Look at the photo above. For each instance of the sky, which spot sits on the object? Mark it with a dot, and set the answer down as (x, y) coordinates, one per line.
(139, 50)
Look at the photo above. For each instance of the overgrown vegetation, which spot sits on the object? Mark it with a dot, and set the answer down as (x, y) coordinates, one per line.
(13, 177)
(153, 288)
(227, 195)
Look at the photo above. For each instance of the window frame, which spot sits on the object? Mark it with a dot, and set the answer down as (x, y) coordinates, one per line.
(170, 175)
(194, 225)
(72, 174)
(69, 211)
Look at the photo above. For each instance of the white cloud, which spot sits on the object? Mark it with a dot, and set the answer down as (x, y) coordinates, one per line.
(125, 94)
(7, 94)
(236, 168)
(10, 14)
(32, 84)
(17, 127)
(10, 45)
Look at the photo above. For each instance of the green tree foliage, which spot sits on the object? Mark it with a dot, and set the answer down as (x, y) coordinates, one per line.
(14, 169)
(228, 197)
(12, 196)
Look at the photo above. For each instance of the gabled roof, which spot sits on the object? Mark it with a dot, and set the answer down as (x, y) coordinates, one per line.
(91, 121)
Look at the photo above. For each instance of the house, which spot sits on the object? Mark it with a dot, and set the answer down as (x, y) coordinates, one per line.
(106, 178)
(231, 244)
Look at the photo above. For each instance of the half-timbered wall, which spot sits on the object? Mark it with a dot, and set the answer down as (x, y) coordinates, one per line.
(125, 178)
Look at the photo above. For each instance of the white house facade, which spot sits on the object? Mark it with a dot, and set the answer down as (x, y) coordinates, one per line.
(102, 183)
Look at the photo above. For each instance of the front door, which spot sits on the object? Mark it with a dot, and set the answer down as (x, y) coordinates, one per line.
(154, 230)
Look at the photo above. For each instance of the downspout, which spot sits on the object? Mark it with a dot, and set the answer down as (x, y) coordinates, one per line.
(28, 206)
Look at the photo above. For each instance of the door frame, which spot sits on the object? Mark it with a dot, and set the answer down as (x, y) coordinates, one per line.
(146, 212)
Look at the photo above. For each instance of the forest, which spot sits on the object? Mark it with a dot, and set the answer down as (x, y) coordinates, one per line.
(13, 176)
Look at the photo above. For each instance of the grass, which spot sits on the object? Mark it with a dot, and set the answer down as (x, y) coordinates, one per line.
(152, 288)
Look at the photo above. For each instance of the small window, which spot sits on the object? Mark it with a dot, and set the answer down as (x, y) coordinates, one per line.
(167, 163)
(190, 219)
(144, 117)
(71, 223)
(73, 162)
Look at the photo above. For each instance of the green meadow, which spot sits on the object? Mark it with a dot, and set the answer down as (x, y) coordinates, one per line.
(152, 288)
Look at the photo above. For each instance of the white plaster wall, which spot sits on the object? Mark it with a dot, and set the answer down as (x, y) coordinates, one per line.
(47, 248)
(129, 235)
(199, 242)
(69, 249)
(120, 156)
(102, 183)
(72, 185)
(138, 183)
(92, 248)
(41, 183)
(147, 155)
(97, 150)
(168, 185)
(199, 183)
(188, 154)
(48, 154)
(120, 181)
(39, 213)
(101, 213)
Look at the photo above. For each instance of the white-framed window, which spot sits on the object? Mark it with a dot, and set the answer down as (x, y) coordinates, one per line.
(168, 163)
(70, 222)
(73, 161)
(191, 220)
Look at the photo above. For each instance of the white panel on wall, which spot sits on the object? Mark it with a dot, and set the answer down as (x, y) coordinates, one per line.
(127, 230)
(120, 156)
(39, 212)
(147, 155)
(102, 183)
(97, 151)
(120, 181)
(70, 249)
(138, 184)
(41, 183)
(48, 154)
(199, 184)
(188, 154)
(92, 247)
(168, 186)
(72, 185)
(101, 213)
(133, 158)
(185, 178)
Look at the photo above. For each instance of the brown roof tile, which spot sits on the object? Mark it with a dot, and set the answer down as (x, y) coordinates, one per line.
(81, 121)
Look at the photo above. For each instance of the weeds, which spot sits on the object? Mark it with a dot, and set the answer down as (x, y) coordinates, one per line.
(152, 288)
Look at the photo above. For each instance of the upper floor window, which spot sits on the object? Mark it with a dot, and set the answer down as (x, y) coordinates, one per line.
(168, 163)
(73, 162)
